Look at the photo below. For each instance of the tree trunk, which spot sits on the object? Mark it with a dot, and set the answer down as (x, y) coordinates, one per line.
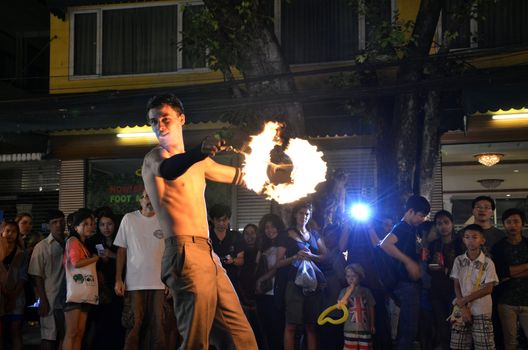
(406, 138)
(406, 148)
(430, 143)
(260, 59)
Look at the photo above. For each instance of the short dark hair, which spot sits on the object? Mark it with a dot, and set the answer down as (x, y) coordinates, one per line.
(473, 227)
(165, 99)
(418, 204)
(514, 211)
(443, 214)
(54, 214)
(483, 198)
(219, 210)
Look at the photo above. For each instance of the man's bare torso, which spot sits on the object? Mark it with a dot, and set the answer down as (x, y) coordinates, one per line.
(179, 204)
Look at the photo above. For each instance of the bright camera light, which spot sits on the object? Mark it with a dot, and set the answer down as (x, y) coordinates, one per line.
(360, 212)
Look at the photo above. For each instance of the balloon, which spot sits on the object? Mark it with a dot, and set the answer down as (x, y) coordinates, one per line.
(324, 318)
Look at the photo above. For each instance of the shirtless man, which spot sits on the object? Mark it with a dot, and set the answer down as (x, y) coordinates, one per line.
(175, 182)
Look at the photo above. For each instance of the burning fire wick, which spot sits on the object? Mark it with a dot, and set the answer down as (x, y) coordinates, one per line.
(283, 183)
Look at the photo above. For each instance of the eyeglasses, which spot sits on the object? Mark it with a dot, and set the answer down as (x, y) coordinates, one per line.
(483, 208)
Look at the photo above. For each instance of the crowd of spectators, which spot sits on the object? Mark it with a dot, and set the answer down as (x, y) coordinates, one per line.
(453, 290)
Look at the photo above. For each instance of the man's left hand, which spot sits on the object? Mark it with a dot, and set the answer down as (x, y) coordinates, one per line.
(211, 145)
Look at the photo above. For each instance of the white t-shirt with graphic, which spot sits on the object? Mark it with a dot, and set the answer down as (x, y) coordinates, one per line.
(143, 239)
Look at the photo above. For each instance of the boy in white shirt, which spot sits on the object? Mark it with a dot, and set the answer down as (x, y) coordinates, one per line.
(474, 277)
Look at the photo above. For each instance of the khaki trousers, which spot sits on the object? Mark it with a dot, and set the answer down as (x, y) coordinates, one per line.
(203, 294)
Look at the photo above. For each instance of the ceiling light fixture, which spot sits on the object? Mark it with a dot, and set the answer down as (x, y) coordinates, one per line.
(490, 183)
(135, 135)
(510, 116)
(488, 159)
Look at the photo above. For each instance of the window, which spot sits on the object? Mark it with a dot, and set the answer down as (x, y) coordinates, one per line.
(318, 31)
(131, 40)
(501, 23)
(504, 24)
(451, 23)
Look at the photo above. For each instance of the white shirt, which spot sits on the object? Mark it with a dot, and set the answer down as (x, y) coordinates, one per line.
(143, 239)
(467, 271)
(46, 262)
(271, 259)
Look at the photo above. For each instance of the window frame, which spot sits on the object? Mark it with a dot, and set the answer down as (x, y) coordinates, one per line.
(362, 33)
(99, 47)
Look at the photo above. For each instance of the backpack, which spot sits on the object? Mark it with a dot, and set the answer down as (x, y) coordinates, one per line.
(387, 269)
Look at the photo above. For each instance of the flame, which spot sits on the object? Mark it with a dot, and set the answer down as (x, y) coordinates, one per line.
(309, 169)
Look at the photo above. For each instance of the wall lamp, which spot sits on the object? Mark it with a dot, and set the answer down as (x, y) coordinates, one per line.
(135, 135)
(510, 116)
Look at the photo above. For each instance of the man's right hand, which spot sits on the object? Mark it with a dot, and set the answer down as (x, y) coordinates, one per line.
(413, 269)
(211, 145)
(44, 307)
(119, 288)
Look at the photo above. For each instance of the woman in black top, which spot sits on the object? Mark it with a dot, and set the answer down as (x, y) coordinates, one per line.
(301, 309)
(442, 254)
(104, 328)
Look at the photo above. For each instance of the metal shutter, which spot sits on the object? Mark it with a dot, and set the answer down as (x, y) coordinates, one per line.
(360, 165)
(250, 208)
(72, 186)
(30, 186)
(437, 201)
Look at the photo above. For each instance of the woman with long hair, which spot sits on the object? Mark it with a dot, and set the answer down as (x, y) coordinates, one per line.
(302, 309)
(104, 328)
(269, 288)
(77, 255)
(28, 238)
(13, 276)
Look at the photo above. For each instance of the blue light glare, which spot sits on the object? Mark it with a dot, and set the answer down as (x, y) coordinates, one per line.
(360, 212)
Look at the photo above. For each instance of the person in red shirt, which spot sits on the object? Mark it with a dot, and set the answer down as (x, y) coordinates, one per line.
(77, 255)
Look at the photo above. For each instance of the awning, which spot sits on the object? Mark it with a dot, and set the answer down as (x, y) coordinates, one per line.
(493, 98)
(106, 109)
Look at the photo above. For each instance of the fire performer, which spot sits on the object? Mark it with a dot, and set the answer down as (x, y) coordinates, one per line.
(175, 182)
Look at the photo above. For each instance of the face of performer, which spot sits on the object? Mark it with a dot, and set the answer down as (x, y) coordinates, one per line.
(106, 226)
(167, 124)
(25, 225)
(146, 205)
